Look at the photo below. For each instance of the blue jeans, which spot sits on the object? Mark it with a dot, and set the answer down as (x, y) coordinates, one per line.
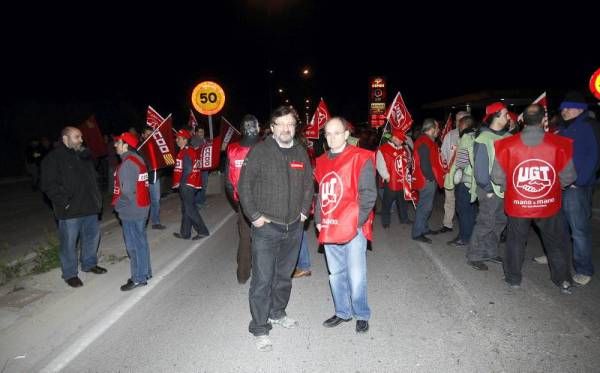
(200, 198)
(577, 209)
(466, 212)
(155, 202)
(304, 257)
(134, 234)
(424, 208)
(347, 265)
(85, 228)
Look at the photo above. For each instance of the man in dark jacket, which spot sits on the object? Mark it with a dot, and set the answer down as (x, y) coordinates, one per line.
(275, 189)
(69, 181)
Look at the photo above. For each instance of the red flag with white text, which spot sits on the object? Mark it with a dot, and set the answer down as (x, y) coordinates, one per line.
(209, 153)
(153, 119)
(93, 137)
(317, 121)
(229, 134)
(159, 149)
(398, 115)
(192, 122)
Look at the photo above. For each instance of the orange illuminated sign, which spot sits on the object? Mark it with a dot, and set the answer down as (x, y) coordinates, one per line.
(595, 84)
(208, 98)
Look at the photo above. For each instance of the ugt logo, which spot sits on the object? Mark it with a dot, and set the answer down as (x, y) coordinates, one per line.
(331, 191)
(533, 178)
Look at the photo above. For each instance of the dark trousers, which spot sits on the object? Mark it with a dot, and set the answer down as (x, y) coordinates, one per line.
(275, 251)
(552, 232)
(490, 223)
(466, 212)
(189, 213)
(244, 256)
(424, 208)
(389, 196)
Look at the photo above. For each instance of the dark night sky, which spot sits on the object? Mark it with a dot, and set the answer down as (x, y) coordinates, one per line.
(155, 56)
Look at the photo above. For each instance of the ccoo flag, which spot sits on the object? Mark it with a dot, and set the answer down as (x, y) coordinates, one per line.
(159, 148)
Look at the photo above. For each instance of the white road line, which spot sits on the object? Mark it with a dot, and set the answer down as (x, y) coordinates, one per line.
(81, 343)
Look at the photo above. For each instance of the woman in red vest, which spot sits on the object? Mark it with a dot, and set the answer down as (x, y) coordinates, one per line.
(131, 200)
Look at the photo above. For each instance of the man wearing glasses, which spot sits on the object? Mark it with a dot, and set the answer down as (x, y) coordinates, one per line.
(275, 190)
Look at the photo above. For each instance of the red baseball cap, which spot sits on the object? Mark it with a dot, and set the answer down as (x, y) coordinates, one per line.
(492, 109)
(184, 133)
(128, 138)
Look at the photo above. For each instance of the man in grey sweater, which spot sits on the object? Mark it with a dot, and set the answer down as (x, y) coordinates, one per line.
(275, 190)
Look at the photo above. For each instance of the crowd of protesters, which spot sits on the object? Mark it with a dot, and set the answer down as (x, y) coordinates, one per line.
(498, 175)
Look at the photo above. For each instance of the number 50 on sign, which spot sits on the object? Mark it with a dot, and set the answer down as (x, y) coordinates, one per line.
(208, 98)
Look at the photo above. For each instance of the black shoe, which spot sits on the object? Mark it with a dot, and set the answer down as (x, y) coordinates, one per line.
(132, 285)
(178, 235)
(199, 236)
(334, 321)
(158, 226)
(478, 265)
(408, 222)
(386, 226)
(496, 259)
(445, 229)
(74, 282)
(433, 233)
(513, 285)
(422, 238)
(565, 287)
(362, 326)
(97, 270)
(457, 242)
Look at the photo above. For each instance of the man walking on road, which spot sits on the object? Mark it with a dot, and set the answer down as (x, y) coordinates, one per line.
(344, 218)
(276, 190)
(69, 180)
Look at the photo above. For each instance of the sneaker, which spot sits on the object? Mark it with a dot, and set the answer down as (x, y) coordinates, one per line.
(263, 343)
(285, 322)
(543, 259)
(301, 273)
(582, 279)
(565, 287)
(478, 265)
(130, 285)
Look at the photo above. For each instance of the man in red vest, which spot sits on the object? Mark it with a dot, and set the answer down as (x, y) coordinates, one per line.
(429, 175)
(131, 200)
(344, 219)
(532, 167)
(236, 153)
(186, 177)
(392, 160)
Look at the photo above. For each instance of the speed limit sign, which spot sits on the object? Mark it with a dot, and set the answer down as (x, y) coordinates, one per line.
(208, 98)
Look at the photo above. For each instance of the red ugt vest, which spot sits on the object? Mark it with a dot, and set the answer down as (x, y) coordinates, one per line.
(532, 183)
(236, 155)
(396, 161)
(434, 159)
(141, 185)
(194, 180)
(338, 187)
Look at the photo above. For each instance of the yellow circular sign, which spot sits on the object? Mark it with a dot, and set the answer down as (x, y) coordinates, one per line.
(208, 98)
(595, 84)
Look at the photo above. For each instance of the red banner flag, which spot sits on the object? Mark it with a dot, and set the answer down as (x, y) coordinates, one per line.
(447, 127)
(153, 119)
(398, 115)
(93, 137)
(228, 133)
(159, 149)
(192, 122)
(209, 153)
(317, 121)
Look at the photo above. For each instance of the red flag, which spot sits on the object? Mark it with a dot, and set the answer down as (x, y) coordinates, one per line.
(447, 127)
(153, 119)
(93, 137)
(541, 100)
(318, 120)
(209, 153)
(192, 122)
(228, 133)
(159, 149)
(398, 115)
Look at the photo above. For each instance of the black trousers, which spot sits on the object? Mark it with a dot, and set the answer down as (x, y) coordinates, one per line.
(189, 213)
(552, 232)
(389, 196)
